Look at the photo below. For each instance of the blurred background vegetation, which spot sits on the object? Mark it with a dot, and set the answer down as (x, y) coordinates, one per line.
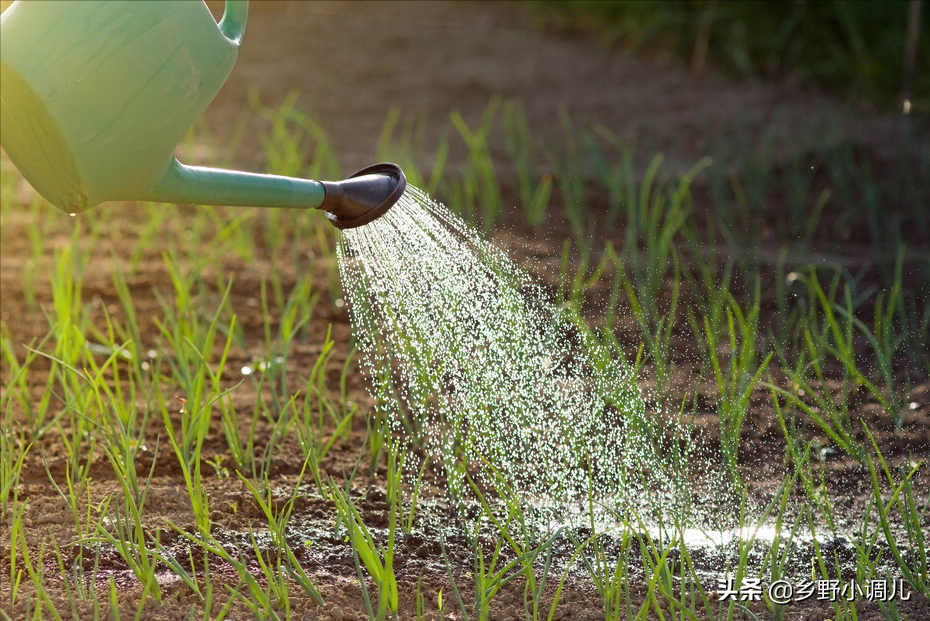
(855, 49)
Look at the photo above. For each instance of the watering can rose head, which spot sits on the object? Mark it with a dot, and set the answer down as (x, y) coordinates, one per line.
(97, 116)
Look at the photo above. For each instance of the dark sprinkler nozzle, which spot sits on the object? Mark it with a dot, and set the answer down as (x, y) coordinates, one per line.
(363, 196)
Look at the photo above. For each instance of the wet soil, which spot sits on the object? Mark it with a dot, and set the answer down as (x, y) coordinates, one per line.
(351, 62)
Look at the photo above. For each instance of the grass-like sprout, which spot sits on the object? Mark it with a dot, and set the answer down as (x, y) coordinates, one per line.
(378, 564)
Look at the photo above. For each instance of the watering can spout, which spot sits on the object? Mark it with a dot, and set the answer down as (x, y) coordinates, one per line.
(357, 200)
(214, 186)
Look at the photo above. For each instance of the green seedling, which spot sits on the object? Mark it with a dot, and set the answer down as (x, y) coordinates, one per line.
(569, 176)
(199, 497)
(521, 536)
(610, 579)
(379, 566)
(377, 434)
(842, 348)
(420, 599)
(17, 535)
(491, 575)
(86, 392)
(480, 180)
(129, 537)
(736, 381)
(324, 164)
(409, 148)
(407, 522)
(658, 564)
(836, 424)
(36, 574)
(310, 424)
(534, 193)
(242, 448)
(260, 601)
(13, 450)
(18, 386)
(292, 318)
(278, 518)
(79, 583)
(192, 343)
(710, 289)
(906, 506)
(615, 175)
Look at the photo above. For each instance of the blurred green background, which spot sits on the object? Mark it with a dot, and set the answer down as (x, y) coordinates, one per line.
(855, 49)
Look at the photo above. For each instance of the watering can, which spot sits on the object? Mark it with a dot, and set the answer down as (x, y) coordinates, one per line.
(97, 94)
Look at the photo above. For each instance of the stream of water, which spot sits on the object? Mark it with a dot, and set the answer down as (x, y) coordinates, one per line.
(468, 355)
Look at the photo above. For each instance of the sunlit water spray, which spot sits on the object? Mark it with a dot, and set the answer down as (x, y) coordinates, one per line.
(467, 354)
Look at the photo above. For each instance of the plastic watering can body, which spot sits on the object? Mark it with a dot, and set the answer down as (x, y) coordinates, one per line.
(97, 94)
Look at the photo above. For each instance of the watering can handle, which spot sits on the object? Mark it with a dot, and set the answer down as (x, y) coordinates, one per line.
(233, 23)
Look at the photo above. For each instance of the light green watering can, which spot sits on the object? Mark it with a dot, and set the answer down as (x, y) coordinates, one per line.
(96, 96)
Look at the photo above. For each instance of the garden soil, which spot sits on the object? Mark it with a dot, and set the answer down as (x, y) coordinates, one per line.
(351, 63)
